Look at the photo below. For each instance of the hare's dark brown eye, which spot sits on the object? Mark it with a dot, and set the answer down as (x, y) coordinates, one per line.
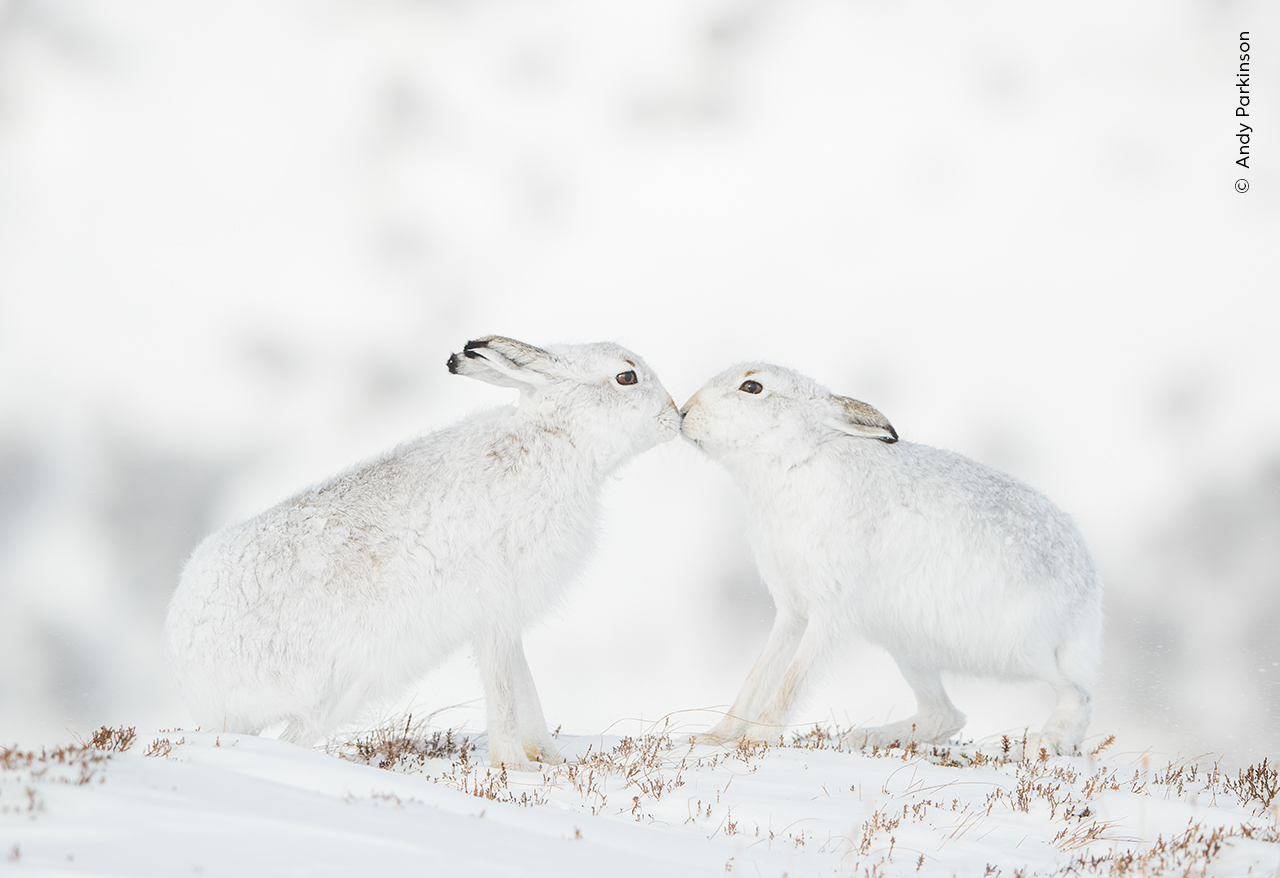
(751, 387)
(627, 377)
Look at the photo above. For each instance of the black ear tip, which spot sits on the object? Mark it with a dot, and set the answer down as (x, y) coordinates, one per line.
(473, 344)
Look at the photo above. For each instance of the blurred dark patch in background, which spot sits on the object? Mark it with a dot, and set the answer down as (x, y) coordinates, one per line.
(1194, 638)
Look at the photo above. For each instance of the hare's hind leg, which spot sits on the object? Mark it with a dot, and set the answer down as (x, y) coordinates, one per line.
(936, 718)
(320, 720)
(1064, 730)
(1070, 672)
(784, 638)
(1074, 665)
(300, 732)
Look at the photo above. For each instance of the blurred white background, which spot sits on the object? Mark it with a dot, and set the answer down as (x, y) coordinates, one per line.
(238, 241)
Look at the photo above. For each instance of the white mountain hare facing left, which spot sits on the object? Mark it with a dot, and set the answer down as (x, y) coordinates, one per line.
(346, 593)
(947, 564)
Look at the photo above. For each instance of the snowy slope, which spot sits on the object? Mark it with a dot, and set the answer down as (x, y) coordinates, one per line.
(208, 804)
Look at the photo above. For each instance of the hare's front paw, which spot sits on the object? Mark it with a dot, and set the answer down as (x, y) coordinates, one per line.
(917, 730)
(530, 767)
(540, 751)
(726, 733)
(882, 737)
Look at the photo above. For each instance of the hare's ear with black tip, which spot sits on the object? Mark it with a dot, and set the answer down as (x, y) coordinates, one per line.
(858, 419)
(506, 362)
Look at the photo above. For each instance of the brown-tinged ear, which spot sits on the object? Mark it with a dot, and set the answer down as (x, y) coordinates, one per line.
(859, 419)
(503, 361)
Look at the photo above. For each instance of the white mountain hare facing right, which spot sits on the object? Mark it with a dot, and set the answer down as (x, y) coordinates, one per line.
(342, 595)
(947, 564)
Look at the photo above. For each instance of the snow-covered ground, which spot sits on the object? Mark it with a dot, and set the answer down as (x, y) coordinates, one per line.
(409, 801)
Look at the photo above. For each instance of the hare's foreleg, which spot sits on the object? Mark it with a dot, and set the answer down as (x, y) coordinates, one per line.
(936, 718)
(534, 737)
(508, 686)
(779, 649)
(814, 642)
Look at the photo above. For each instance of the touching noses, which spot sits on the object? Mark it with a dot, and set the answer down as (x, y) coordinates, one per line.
(688, 405)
